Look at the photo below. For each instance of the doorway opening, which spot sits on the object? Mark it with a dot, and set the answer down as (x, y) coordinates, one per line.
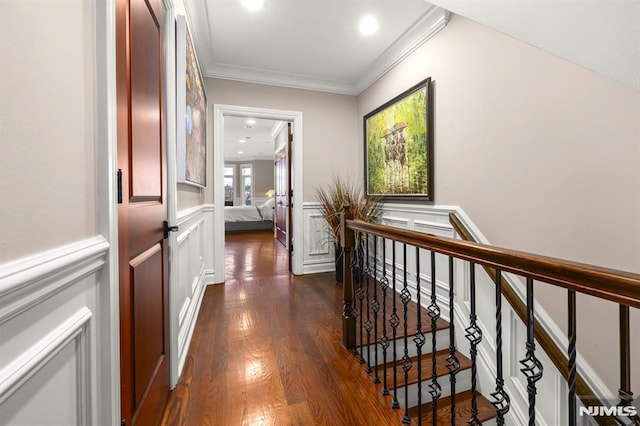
(245, 188)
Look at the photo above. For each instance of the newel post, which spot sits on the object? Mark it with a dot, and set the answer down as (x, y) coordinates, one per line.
(348, 318)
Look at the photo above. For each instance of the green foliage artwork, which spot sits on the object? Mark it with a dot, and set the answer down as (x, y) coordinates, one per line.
(397, 144)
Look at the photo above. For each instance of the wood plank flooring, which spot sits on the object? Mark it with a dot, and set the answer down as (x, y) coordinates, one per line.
(267, 350)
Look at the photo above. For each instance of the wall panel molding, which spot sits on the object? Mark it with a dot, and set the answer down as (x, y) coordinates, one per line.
(29, 281)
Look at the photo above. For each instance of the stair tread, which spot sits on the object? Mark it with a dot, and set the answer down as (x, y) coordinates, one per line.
(426, 367)
(411, 330)
(486, 410)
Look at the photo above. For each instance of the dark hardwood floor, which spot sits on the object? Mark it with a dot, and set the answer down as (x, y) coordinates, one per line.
(267, 350)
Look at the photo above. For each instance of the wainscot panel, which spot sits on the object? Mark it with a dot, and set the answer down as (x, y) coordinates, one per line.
(50, 351)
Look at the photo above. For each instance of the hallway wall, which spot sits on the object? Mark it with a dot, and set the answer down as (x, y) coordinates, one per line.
(330, 124)
(47, 125)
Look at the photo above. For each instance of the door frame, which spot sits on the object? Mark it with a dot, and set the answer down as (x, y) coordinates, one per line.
(108, 403)
(219, 112)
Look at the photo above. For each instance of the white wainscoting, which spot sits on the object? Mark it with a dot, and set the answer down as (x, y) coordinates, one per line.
(51, 354)
(191, 269)
(317, 245)
(551, 406)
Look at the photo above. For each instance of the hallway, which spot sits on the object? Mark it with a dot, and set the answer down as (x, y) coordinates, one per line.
(267, 350)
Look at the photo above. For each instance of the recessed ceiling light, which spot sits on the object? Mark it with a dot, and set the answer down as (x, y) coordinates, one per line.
(369, 25)
(250, 122)
(240, 152)
(253, 4)
(242, 141)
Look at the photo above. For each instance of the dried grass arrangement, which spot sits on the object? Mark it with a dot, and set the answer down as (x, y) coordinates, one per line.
(340, 192)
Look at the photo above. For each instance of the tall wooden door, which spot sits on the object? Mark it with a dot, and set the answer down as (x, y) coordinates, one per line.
(144, 331)
(284, 193)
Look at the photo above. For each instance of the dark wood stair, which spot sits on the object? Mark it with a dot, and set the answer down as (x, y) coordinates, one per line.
(463, 400)
(486, 410)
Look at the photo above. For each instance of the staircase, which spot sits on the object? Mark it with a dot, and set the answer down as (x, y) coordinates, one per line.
(407, 381)
(428, 369)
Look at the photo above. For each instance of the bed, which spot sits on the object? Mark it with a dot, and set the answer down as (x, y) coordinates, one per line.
(249, 218)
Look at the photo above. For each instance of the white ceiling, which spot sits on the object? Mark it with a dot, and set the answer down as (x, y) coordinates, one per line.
(308, 44)
(259, 139)
(315, 44)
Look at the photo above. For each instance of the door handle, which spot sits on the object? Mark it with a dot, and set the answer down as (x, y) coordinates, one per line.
(166, 229)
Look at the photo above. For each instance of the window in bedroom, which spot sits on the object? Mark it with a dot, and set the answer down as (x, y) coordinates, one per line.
(229, 177)
(246, 172)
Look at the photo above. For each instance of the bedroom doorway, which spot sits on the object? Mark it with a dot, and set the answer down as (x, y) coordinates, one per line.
(241, 171)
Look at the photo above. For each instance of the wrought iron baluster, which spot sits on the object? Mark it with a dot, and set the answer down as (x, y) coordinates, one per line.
(571, 366)
(368, 325)
(394, 321)
(405, 298)
(419, 338)
(434, 314)
(360, 294)
(358, 276)
(384, 284)
(501, 399)
(532, 368)
(474, 335)
(375, 306)
(625, 394)
(453, 364)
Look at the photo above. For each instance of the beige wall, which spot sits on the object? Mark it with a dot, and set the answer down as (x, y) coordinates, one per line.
(330, 123)
(542, 154)
(47, 125)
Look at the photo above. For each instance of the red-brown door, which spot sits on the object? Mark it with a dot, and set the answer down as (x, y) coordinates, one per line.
(284, 194)
(144, 337)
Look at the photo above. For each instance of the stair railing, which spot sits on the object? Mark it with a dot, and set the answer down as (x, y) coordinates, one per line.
(357, 238)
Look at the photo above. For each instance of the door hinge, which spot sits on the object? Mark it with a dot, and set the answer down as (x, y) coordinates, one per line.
(123, 422)
(119, 175)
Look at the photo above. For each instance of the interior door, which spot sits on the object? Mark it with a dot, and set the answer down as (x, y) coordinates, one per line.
(284, 194)
(144, 339)
(281, 195)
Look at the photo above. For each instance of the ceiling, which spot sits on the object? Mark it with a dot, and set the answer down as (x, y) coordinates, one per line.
(258, 139)
(317, 45)
(308, 44)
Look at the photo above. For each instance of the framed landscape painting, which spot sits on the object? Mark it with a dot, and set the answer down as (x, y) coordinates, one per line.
(398, 146)
(191, 105)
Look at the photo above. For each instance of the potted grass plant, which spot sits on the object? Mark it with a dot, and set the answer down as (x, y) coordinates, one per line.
(333, 196)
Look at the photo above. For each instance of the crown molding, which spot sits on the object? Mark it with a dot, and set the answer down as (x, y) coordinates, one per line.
(274, 78)
(432, 21)
(429, 24)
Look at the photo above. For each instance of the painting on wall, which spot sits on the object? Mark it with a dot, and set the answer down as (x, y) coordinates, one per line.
(398, 146)
(191, 102)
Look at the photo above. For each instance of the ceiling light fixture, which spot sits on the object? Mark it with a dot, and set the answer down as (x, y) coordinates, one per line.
(253, 4)
(369, 25)
(250, 122)
(242, 141)
(240, 152)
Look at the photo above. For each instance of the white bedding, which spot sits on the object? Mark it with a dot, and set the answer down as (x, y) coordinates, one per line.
(241, 214)
(249, 213)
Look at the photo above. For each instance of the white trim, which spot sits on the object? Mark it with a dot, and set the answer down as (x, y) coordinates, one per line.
(29, 281)
(219, 111)
(20, 370)
(108, 371)
(429, 24)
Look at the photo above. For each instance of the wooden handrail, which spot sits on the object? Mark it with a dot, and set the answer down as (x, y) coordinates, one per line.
(609, 284)
(548, 345)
